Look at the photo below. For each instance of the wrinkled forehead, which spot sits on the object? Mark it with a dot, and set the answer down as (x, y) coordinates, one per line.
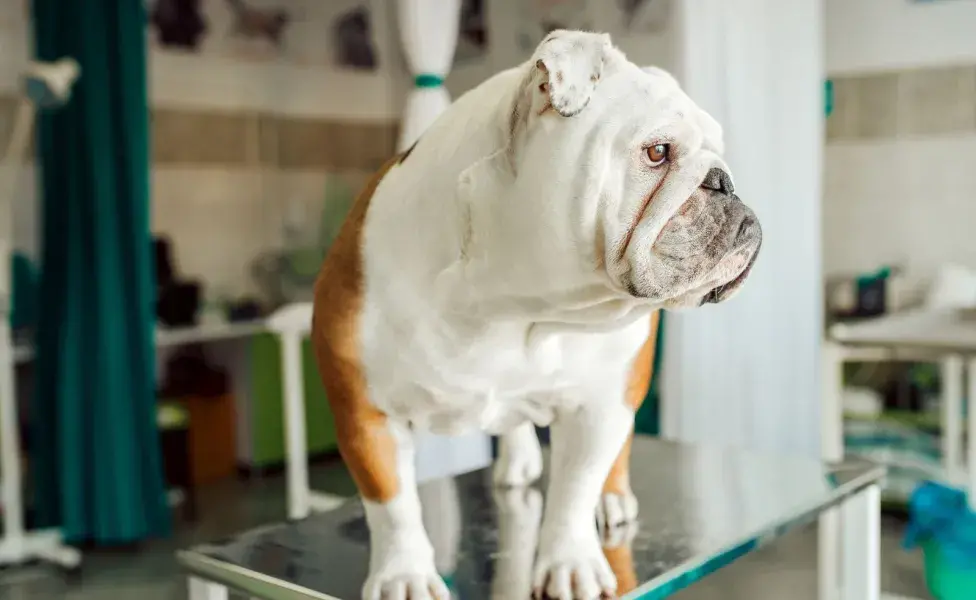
(649, 99)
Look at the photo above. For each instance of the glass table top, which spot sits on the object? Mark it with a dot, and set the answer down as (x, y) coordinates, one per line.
(700, 508)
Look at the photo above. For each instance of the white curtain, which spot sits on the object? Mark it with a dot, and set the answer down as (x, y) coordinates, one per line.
(747, 373)
(429, 32)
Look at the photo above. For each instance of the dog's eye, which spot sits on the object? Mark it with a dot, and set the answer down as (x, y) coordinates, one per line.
(658, 154)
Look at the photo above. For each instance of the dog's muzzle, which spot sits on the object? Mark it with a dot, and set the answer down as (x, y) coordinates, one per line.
(747, 240)
(705, 251)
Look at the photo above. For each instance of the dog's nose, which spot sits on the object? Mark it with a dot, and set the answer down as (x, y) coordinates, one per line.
(718, 180)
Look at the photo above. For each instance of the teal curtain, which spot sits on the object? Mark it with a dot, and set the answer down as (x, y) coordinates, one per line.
(648, 419)
(95, 449)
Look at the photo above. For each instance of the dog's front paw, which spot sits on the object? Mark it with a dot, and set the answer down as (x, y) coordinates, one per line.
(616, 510)
(404, 574)
(573, 568)
(519, 461)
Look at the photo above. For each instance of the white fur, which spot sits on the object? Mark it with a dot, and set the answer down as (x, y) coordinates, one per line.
(615, 510)
(519, 515)
(519, 461)
(401, 556)
(485, 303)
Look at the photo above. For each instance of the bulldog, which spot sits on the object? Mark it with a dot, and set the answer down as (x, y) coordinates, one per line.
(506, 272)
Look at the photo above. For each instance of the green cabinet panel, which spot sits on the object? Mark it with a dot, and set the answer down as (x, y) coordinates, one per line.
(267, 395)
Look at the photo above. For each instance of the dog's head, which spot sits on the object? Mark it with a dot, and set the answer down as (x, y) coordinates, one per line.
(629, 170)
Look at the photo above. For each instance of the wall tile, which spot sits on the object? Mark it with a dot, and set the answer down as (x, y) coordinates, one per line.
(302, 143)
(842, 122)
(937, 101)
(8, 114)
(308, 144)
(934, 101)
(190, 204)
(255, 207)
(900, 201)
(268, 135)
(877, 106)
(183, 137)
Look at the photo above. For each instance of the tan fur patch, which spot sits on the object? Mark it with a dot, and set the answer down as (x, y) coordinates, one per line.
(365, 442)
(618, 482)
(621, 562)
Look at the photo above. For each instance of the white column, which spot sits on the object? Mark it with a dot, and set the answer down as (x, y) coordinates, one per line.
(747, 373)
(429, 31)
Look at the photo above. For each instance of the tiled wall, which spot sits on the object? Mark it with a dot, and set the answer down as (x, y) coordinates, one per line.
(900, 170)
(242, 143)
(224, 183)
(209, 138)
(918, 102)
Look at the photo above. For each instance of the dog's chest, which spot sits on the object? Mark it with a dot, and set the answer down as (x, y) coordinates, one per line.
(495, 380)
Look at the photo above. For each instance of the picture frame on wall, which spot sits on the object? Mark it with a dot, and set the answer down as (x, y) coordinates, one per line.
(539, 17)
(472, 42)
(352, 34)
(644, 16)
(312, 33)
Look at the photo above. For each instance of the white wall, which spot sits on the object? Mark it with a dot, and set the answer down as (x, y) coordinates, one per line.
(904, 198)
(305, 82)
(879, 35)
(745, 373)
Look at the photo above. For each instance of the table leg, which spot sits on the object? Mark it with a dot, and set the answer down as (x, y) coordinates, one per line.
(862, 545)
(952, 373)
(971, 431)
(201, 589)
(832, 449)
(828, 563)
(832, 408)
(294, 406)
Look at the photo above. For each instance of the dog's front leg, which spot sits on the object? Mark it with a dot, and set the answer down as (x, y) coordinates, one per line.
(401, 557)
(585, 442)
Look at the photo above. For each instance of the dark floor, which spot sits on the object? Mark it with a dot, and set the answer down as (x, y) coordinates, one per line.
(783, 570)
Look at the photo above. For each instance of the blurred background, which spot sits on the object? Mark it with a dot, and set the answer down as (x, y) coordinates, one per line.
(203, 163)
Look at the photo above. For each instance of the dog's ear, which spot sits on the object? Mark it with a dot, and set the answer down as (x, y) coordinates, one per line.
(569, 66)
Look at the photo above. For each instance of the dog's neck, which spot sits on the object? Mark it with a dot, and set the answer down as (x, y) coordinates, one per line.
(520, 266)
(514, 261)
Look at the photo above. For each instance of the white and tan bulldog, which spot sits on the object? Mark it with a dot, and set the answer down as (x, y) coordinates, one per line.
(506, 271)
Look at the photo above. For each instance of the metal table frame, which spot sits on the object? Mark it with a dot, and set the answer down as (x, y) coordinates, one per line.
(942, 336)
(849, 565)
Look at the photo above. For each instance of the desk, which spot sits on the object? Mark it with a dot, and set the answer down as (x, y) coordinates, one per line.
(950, 336)
(701, 508)
(175, 336)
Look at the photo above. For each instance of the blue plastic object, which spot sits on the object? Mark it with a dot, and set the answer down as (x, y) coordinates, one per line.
(943, 526)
